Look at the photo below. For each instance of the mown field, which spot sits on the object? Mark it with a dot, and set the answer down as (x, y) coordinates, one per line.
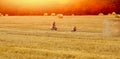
(30, 37)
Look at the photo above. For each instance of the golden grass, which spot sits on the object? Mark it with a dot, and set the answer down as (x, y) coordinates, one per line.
(31, 38)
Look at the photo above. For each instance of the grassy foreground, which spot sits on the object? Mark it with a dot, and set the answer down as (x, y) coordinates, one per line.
(30, 37)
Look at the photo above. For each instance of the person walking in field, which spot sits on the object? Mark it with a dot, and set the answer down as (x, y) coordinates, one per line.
(74, 29)
(54, 26)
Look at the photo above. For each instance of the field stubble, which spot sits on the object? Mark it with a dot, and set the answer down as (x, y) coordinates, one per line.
(30, 37)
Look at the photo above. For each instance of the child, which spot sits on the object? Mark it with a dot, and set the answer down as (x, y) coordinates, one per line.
(54, 26)
(73, 29)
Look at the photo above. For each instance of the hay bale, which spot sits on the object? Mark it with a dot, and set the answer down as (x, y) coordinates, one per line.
(73, 14)
(45, 14)
(53, 14)
(109, 14)
(1, 14)
(113, 13)
(111, 28)
(100, 14)
(60, 16)
(6, 14)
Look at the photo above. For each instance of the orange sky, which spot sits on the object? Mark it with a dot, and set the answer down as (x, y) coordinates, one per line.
(35, 7)
(33, 3)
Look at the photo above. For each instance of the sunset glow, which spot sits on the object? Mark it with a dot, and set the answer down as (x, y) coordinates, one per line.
(38, 7)
(35, 2)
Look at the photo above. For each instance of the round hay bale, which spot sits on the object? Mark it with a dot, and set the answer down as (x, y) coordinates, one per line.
(109, 14)
(60, 16)
(100, 14)
(0, 14)
(111, 28)
(53, 14)
(73, 14)
(113, 13)
(6, 14)
(45, 14)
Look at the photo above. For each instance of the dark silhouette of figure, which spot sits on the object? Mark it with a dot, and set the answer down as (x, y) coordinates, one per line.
(54, 26)
(73, 29)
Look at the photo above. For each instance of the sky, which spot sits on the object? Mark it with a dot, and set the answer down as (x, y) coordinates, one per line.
(67, 7)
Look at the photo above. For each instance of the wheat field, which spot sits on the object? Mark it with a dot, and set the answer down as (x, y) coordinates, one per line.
(30, 37)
